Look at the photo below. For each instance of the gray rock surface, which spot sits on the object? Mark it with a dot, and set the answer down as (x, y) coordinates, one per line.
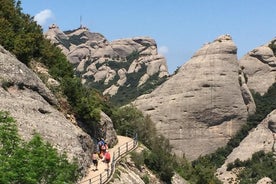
(107, 130)
(259, 139)
(265, 180)
(201, 107)
(259, 66)
(177, 179)
(30, 102)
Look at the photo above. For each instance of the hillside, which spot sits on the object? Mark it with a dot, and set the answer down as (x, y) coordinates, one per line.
(38, 90)
(213, 121)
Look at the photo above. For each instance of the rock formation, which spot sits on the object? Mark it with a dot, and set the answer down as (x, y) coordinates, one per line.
(259, 67)
(262, 138)
(30, 102)
(265, 180)
(202, 105)
(109, 64)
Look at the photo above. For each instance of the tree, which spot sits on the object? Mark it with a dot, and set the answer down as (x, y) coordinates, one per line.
(19, 32)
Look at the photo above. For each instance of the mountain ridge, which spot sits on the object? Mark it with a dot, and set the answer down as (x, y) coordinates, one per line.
(116, 67)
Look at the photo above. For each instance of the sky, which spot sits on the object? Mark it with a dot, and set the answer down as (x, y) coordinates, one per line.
(179, 27)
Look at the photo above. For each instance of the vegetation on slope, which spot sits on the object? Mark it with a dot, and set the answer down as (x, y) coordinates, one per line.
(18, 28)
(20, 34)
(31, 162)
(23, 37)
(158, 158)
(259, 166)
(131, 89)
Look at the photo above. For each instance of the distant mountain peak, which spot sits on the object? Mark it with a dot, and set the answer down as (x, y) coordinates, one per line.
(126, 67)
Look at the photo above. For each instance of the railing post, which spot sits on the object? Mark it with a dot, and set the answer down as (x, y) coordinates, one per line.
(136, 138)
(101, 178)
(127, 147)
(90, 182)
(119, 152)
(112, 166)
(107, 172)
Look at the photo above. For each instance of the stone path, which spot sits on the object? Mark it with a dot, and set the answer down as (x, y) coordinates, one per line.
(95, 175)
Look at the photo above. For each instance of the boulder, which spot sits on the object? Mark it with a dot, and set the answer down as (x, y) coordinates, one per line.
(265, 180)
(272, 123)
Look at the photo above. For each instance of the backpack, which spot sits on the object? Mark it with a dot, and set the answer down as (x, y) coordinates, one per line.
(107, 156)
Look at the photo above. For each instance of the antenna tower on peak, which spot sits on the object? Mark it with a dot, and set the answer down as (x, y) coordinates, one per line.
(80, 21)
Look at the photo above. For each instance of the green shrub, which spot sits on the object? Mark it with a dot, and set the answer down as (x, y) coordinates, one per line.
(260, 165)
(146, 179)
(138, 159)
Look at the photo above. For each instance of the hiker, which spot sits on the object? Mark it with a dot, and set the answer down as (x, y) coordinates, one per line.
(107, 158)
(101, 142)
(104, 147)
(95, 159)
(101, 148)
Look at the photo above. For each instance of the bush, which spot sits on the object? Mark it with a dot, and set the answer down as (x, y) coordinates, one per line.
(138, 159)
(146, 179)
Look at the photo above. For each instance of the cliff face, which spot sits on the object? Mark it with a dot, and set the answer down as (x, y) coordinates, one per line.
(202, 106)
(112, 67)
(30, 102)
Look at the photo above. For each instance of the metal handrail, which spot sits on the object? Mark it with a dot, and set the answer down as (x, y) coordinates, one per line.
(105, 176)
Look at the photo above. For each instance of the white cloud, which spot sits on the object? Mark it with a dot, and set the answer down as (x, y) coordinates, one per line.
(163, 50)
(42, 17)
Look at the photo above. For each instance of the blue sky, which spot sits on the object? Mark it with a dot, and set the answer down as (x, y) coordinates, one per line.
(179, 27)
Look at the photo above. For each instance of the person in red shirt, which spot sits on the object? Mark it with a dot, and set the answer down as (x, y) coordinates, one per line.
(107, 159)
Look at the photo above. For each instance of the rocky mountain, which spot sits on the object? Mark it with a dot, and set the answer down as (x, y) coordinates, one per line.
(259, 66)
(208, 100)
(33, 106)
(124, 68)
(204, 104)
(198, 109)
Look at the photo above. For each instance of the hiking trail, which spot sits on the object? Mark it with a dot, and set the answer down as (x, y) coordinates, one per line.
(102, 175)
